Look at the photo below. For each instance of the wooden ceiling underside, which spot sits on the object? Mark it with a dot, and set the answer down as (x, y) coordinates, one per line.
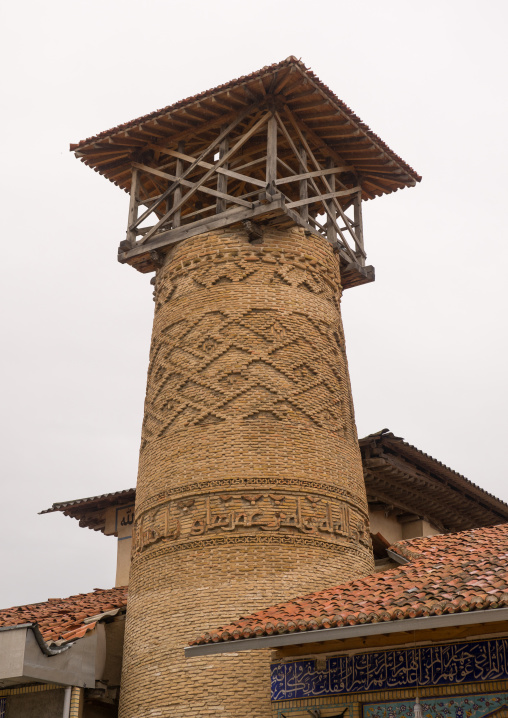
(400, 487)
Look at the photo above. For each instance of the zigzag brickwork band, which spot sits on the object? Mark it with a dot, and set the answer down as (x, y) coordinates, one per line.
(250, 486)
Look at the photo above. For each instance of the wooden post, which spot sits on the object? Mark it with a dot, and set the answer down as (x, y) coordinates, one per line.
(177, 194)
(222, 180)
(133, 208)
(331, 231)
(359, 228)
(271, 155)
(304, 187)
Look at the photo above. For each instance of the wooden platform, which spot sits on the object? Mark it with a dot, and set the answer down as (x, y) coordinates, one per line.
(148, 258)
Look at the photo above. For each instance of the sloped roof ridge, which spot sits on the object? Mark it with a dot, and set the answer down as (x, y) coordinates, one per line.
(291, 60)
(448, 573)
(386, 433)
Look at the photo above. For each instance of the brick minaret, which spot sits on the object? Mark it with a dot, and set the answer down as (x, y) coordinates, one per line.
(250, 486)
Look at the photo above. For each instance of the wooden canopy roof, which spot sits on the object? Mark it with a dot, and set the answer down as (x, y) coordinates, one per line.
(329, 123)
(91, 511)
(405, 481)
(276, 148)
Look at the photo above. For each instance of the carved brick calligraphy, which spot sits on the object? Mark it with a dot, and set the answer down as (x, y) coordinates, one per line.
(424, 666)
(273, 512)
(228, 484)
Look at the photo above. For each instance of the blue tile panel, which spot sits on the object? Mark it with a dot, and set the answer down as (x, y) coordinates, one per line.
(2, 707)
(444, 707)
(384, 670)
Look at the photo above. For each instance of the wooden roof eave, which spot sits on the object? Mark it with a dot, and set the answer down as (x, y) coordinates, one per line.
(442, 482)
(287, 75)
(357, 125)
(449, 477)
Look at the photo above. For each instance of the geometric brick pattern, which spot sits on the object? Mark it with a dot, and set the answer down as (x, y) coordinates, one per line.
(254, 362)
(211, 371)
(250, 485)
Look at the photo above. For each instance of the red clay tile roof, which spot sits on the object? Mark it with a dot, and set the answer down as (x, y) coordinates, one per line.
(446, 574)
(63, 618)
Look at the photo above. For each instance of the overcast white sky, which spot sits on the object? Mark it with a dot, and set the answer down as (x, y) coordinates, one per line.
(427, 342)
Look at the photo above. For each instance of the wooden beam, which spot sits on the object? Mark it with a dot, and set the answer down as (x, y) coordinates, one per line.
(331, 232)
(222, 180)
(133, 207)
(316, 188)
(186, 183)
(259, 161)
(304, 188)
(324, 180)
(432, 480)
(387, 499)
(220, 170)
(357, 208)
(177, 194)
(295, 216)
(319, 142)
(321, 197)
(271, 154)
(308, 175)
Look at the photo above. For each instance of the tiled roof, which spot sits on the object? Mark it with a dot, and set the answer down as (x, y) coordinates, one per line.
(102, 499)
(398, 474)
(112, 152)
(268, 69)
(448, 573)
(91, 511)
(64, 618)
(385, 436)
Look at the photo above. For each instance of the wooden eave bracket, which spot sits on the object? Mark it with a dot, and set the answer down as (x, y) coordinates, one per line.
(254, 230)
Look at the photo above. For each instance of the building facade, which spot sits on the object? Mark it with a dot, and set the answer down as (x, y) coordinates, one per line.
(246, 204)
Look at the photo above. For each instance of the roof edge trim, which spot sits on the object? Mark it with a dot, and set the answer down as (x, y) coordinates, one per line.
(366, 629)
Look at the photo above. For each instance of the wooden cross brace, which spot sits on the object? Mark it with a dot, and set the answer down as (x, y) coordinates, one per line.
(259, 175)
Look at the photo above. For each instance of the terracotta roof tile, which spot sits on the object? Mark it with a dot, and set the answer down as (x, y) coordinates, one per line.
(63, 618)
(448, 573)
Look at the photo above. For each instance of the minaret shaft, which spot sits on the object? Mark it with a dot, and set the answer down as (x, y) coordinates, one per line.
(250, 487)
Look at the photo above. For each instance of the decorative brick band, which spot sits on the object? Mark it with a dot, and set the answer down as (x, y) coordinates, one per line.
(271, 513)
(155, 550)
(324, 490)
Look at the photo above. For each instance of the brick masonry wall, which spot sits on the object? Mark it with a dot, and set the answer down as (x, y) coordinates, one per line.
(250, 487)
